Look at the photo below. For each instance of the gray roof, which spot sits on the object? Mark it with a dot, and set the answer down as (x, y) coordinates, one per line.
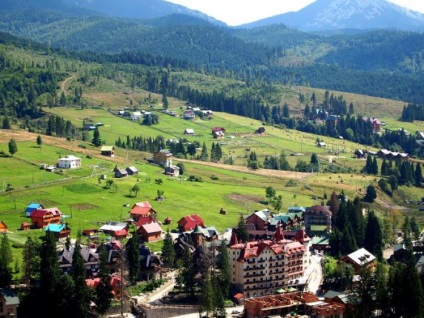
(9, 296)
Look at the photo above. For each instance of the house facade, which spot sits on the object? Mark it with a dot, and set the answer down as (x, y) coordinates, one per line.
(263, 267)
(108, 151)
(69, 162)
(150, 232)
(59, 230)
(44, 217)
(163, 157)
(90, 257)
(9, 303)
(31, 207)
(189, 222)
(142, 210)
(317, 218)
(360, 259)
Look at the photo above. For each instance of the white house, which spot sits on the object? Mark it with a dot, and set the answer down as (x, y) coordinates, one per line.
(136, 115)
(69, 162)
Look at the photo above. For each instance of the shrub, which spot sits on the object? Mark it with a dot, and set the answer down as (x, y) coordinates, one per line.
(214, 177)
(195, 179)
(291, 183)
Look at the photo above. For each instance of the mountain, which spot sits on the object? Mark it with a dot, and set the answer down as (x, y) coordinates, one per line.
(139, 9)
(347, 14)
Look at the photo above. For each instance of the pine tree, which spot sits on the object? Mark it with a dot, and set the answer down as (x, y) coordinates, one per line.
(225, 270)
(334, 205)
(81, 297)
(31, 259)
(218, 299)
(242, 233)
(368, 165)
(374, 167)
(39, 141)
(204, 153)
(49, 275)
(207, 297)
(373, 241)
(5, 260)
(418, 175)
(6, 123)
(104, 294)
(97, 142)
(168, 251)
(133, 258)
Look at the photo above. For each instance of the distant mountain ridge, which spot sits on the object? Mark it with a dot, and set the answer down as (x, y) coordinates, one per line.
(347, 14)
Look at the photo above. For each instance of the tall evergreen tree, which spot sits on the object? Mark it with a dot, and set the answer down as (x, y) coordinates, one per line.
(104, 289)
(81, 297)
(204, 154)
(373, 241)
(31, 259)
(49, 275)
(168, 251)
(207, 297)
(225, 270)
(5, 261)
(133, 258)
(334, 205)
(418, 175)
(97, 142)
(6, 123)
(242, 233)
(13, 147)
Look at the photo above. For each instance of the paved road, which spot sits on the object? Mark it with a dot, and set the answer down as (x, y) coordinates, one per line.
(314, 274)
(229, 311)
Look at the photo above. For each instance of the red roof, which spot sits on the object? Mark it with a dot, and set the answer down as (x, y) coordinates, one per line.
(152, 228)
(144, 204)
(145, 220)
(139, 210)
(39, 213)
(190, 221)
(215, 129)
(92, 282)
(122, 232)
(239, 296)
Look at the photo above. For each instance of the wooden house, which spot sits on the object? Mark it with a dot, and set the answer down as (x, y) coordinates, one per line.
(108, 151)
(189, 131)
(111, 227)
(189, 114)
(260, 219)
(173, 171)
(189, 222)
(25, 226)
(150, 232)
(31, 207)
(120, 172)
(59, 230)
(9, 303)
(44, 217)
(90, 258)
(142, 209)
(3, 227)
(163, 157)
(131, 170)
(360, 259)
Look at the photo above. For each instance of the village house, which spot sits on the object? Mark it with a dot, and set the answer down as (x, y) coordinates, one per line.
(120, 172)
(189, 131)
(142, 210)
(265, 266)
(189, 115)
(69, 162)
(90, 257)
(376, 124)
(136, 115)
(260, 219)
(131, 170)
(114, 228)
(9, 303)
(40, 218)
(197, 237)
(115, 281)
(150, 232)
(108, 151)
(317, 220)
(360, 259)
(59, 230)
(218, 132)
(31, 207)
(172, 171)
(189, 222)
(163, 157)
(392, 155)
(3, 227)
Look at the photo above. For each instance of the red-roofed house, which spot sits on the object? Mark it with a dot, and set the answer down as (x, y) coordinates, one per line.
(115, 282)
(188, 223)
(44, 217)
(120, 234)
(142, 209)
(150, 232)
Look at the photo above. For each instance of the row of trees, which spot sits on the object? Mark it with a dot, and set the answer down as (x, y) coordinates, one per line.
(68, 295)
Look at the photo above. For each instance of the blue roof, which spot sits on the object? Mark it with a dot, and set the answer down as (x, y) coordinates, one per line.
(32, 206)
(55, 227)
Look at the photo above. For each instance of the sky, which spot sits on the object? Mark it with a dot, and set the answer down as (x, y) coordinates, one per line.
(237, 12)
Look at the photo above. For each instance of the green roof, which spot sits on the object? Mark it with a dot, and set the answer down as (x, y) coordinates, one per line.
(318, 228)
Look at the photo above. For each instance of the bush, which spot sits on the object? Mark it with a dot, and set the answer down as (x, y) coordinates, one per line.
(214, 177)
(195, 179)
(291, 183)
